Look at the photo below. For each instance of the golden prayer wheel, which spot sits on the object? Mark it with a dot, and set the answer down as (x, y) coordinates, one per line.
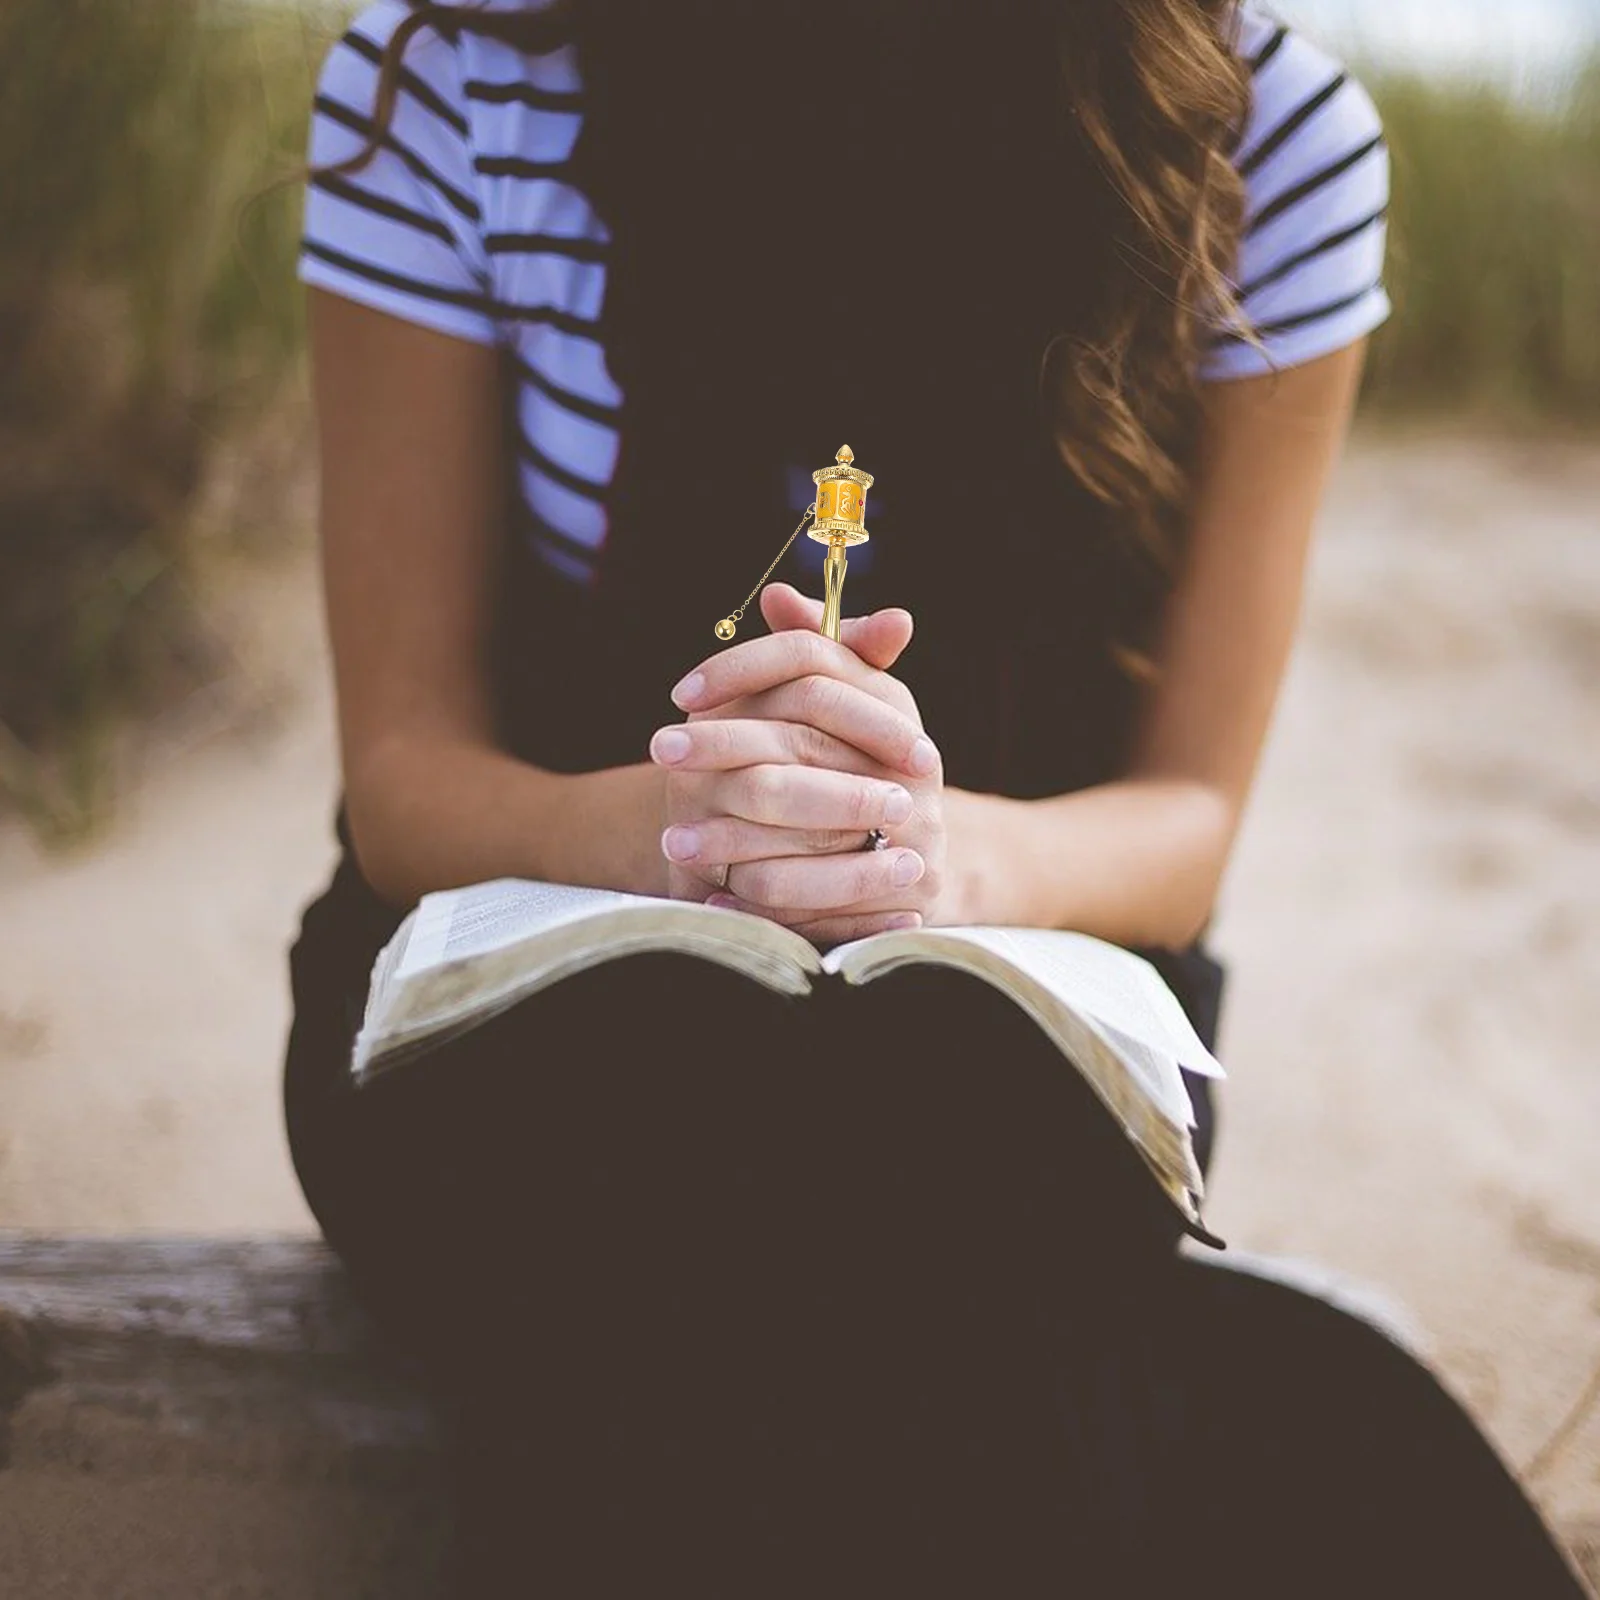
(840, 522)
(838, 519)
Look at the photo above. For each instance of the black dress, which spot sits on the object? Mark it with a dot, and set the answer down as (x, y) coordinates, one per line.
(861, 1294)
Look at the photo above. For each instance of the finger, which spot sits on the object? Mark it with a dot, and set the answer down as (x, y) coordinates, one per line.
(791, 796)
(826, 930)
(818, 883)
(839, 930)
(878, 638)
(723, 743)
(704, 844)
(814, 721)
(767, 661)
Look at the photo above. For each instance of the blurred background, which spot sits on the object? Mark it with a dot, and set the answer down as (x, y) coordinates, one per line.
(1413, 920)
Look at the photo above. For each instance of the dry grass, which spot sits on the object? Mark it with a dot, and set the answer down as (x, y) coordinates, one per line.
(1495, 253)
(149, 315)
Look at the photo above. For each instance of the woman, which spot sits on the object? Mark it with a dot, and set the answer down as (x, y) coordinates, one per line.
(865, 1295)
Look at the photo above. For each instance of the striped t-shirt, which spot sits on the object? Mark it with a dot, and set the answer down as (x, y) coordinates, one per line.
(464, 221)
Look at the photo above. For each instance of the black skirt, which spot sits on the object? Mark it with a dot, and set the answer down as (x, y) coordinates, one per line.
(861, 1293)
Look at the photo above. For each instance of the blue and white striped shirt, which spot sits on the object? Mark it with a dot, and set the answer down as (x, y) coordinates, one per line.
(464, 222)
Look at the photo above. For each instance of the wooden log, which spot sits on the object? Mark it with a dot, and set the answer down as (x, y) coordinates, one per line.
(195, 1417)
(192, 1417)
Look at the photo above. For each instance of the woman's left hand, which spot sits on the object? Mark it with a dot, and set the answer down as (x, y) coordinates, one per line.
(772, 696)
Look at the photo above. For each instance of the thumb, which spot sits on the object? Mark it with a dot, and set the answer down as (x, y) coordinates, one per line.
(879, 638)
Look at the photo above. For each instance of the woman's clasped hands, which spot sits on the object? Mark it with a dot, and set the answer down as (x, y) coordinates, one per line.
(795, 746)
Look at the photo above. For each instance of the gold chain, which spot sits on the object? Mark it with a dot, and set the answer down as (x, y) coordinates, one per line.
(738, 616)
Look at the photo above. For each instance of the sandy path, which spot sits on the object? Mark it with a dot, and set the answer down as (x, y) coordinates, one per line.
(1413, 923)
(1414, 927)
(144, 983)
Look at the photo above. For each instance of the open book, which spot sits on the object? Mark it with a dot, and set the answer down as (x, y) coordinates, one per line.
(463, 955)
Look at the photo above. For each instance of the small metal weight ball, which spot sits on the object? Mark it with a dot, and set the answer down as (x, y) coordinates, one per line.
(724, 629)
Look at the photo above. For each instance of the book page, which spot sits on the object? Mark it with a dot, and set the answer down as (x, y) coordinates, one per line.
(463, 954)
(1139, 1082)
(1155, 1072)
(458, 923)
(1102, 980)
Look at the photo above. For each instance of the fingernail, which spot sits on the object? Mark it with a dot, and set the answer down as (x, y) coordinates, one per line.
(924, 758)
(907, 869)
(906, 919)
(898, 806)
(726, 901)
(681, 844)
(687, 690)
(670, 744)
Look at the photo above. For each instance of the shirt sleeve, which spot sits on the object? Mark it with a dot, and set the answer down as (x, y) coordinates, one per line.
(1316, 171)
(403, 233)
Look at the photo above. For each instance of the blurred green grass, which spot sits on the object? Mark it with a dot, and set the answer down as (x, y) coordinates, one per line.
(1494, 253)
(153, 327)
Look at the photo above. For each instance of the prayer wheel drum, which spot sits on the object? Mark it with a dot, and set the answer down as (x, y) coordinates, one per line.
(841, 502)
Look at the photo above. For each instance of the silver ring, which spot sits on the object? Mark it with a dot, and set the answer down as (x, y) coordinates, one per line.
(877, 839)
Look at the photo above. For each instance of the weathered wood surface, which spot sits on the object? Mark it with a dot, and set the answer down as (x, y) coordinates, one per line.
(201, 1417)
(190, 1417)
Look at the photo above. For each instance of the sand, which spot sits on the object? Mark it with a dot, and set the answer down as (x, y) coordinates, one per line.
(1412, 923)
